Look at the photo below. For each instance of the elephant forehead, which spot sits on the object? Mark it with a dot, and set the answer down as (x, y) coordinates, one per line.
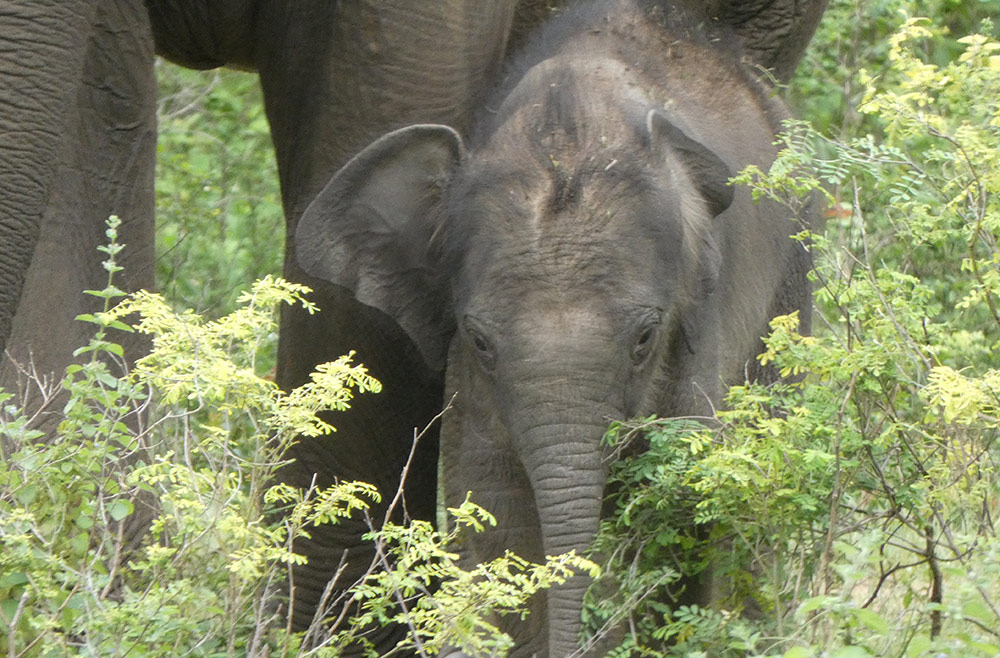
(572, 269)
(540, 315)
(623, 249)
(569, 320)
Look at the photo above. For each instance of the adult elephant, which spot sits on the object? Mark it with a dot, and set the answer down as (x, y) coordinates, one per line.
(77, 140)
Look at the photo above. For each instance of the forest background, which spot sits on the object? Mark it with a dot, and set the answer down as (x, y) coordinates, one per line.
(857, 507)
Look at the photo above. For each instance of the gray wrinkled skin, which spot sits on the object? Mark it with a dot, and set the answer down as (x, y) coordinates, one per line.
(77, 140)
(579, 259)
(77, 143)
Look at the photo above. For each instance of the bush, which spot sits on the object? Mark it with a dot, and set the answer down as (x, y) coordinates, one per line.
(155, 532)
(851, 511)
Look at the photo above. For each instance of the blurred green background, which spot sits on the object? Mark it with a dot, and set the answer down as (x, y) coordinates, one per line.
(219, 219)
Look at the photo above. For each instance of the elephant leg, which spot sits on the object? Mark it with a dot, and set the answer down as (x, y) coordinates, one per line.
(372, 442)
(773, 33)
(103, 165)
(53, 39)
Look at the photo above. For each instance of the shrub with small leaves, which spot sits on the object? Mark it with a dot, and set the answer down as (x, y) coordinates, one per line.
(851, 510)
(150, 522)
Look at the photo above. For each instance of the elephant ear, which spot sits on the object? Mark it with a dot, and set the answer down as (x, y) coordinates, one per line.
(711, 177)
(710, 174)
(370, 227)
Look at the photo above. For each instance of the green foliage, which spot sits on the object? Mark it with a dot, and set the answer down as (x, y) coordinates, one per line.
(855, 35)
(146, 524)
(852, 509)
(219, 218)
(461, 611)
(654, 543)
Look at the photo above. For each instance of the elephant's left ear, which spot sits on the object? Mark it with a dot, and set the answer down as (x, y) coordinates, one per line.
(369, 231)
(706, 169)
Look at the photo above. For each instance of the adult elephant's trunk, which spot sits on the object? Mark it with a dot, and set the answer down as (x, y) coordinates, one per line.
(565, 467)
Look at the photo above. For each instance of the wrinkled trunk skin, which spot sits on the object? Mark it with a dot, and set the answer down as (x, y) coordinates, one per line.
(87, 118)
(532, 456)
(567, 477)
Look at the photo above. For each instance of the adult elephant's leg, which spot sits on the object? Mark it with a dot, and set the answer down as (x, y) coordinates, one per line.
(41, 46)
(81, 147)
(336, 76)
(373, 440)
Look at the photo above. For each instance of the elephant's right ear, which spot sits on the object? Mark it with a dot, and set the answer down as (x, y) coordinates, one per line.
(369, 230)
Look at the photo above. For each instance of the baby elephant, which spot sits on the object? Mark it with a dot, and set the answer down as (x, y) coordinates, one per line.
(580, 259)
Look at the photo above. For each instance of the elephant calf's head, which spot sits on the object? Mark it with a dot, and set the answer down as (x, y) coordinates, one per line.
(567, 245)
(562, 270)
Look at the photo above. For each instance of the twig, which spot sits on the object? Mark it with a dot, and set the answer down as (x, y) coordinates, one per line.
(937, 581)
(417, 436)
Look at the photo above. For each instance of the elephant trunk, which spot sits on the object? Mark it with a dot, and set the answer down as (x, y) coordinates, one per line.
(567, 474)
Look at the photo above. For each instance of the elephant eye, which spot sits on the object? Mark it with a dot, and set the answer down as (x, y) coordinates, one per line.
(481, 344)
(645, 339)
